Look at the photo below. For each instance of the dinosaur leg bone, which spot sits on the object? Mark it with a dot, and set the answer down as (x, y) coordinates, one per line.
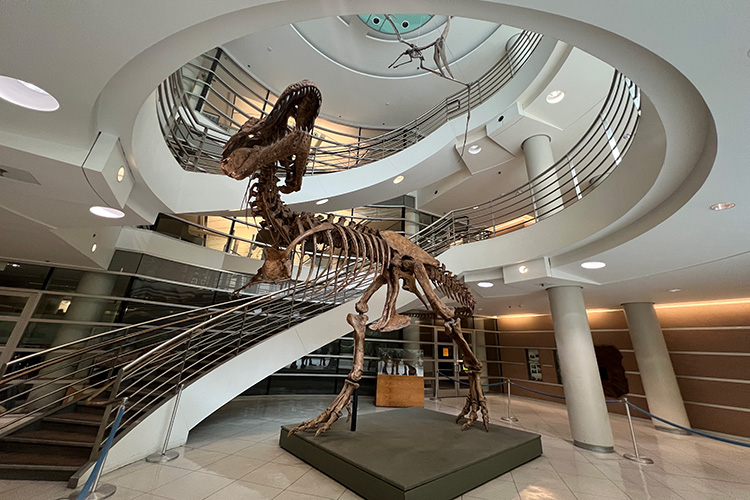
(475, 401)
(390, 320)
(324, 421)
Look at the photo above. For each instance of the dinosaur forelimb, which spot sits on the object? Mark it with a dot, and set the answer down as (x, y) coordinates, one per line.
(330, 415)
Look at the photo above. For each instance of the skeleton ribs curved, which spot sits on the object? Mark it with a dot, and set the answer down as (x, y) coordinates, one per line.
(338, 254)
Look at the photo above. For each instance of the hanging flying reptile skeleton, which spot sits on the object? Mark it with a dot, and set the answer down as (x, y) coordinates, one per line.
(440, 57)
(281, 142)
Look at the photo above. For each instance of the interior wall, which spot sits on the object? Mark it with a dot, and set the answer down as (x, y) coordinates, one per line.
(709, 345)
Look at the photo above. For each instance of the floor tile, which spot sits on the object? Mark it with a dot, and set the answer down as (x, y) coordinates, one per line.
(195, 486)
(276, 475)
(242, 490)
(317, 483)
(148, 478)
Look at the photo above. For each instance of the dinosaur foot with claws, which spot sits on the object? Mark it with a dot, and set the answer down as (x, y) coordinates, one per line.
(475, 403)
(330, 415)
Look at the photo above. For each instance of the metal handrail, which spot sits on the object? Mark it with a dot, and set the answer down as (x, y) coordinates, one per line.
(196, 142)
(599, 151)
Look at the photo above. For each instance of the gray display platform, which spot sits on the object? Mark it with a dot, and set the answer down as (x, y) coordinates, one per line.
(412, 454)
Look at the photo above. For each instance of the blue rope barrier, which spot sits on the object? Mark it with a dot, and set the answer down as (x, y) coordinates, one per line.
(537, 392)
(466, 383)
(100, 461)
(688, 429)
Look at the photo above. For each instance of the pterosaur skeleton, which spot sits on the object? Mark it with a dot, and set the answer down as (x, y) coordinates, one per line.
(338, 251)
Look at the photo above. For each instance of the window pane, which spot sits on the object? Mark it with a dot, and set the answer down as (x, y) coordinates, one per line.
(11, 305)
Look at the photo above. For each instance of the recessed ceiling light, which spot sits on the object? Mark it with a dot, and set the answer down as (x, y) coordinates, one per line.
(523, 269)
(722, 206)
(474, 208)
(26, 95)
(93, 247)
(593, 265)
(322, 202)
(120, 174)
(398, 179)
(674, 290)
(475, 149)
(13, 264)
(107, 212)
(555, 96)
(485, 284)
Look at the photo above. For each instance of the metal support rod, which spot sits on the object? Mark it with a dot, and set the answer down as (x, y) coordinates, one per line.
(355, 406)
(97, 492)
(636, 457)
(510, 417)
(166, 456)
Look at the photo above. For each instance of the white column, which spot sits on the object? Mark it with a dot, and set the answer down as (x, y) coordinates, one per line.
(584, 396)
(545, 190)
(657, 374)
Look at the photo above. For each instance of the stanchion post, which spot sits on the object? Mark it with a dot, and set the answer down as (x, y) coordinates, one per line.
(355, 406)
(97, 491)
(510, 417)
(634, 458)
(166, 456)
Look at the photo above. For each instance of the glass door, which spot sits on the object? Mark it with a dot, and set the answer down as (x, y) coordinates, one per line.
(452, 379)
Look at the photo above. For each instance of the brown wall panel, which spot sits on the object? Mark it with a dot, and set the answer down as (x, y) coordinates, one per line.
(531, 339)
(737, 314)
(514, 354)
(708, 340)
(617, 338)
(639, 401)
(522, 322)
(547, 356)
(709, 365)
(635, 385)
(715, 392)
(556, 390)
(515, 371)
(719, 419)
(607, 319)
(629, 362)
(549, 374)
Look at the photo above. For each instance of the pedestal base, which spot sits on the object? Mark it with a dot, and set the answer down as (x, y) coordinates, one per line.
(413, 454)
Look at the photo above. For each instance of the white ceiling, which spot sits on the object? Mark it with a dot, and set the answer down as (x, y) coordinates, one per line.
(103, 59)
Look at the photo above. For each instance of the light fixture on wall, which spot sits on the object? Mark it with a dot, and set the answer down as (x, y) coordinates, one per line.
(485, 284)
(555, 96)
(593, 265)
(322, 202)
(27, 95)
(107, 212)
(722, 206)
(398, 179)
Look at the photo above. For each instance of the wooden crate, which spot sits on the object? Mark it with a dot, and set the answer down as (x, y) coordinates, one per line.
(400, 391)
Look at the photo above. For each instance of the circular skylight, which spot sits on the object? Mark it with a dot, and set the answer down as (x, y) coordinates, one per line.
(26, 95)
(404, 22)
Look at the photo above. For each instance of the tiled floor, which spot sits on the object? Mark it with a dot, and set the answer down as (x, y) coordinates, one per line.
(234, 455)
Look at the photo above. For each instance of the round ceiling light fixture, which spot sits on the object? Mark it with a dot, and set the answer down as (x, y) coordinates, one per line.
(523, 269)
(398, 179)
(322, 202)
(485, 284)
(93, 247)
(475, 149)
(674, 290)
(120, 174)
(722, 206)
(555, 96)
(107, 212)
(27, 95)
(593, 265)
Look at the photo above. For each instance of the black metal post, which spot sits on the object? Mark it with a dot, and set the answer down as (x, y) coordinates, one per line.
(355, 404)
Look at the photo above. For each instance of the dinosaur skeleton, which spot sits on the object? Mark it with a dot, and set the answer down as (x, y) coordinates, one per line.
(338, 252)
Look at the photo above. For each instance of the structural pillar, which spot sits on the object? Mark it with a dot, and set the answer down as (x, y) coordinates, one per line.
(584, 396)
(545, 187)
(655, 365)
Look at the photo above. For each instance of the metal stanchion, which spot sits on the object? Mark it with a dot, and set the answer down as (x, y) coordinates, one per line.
(97, 491)
(636, 457)
(510, 417)
(166, 456)
(355, 406)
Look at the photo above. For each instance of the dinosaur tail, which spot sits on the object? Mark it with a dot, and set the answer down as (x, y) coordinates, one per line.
(449, 284)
